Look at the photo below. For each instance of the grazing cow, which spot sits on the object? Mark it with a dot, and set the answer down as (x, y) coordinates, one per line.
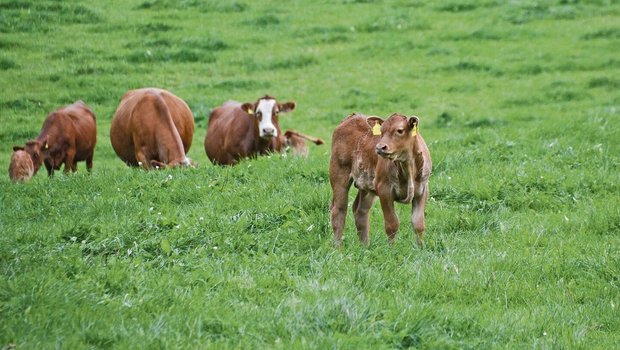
(386, 159)
(237, 131)
(295, 141)
(21, 168)
(152, 128)
(68, 136)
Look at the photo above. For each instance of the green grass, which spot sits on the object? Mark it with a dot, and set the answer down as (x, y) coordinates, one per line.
(518, 103)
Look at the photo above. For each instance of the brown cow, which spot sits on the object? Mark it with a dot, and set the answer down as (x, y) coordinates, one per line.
(21, 168)
(152, 128)
(394, 166)
(68, 136)
(238, 131)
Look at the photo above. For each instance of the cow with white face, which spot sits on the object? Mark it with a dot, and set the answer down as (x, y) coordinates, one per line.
(238, 131)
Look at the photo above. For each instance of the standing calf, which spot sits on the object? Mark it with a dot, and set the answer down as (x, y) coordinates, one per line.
(388, 159)
(68, 136)
(21, 168)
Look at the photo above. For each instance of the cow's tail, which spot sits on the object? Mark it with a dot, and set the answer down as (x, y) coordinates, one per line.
(164, 112)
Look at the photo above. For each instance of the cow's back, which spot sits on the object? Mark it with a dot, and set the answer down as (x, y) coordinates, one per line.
(81, 120)
(138, 119)
(229, 135)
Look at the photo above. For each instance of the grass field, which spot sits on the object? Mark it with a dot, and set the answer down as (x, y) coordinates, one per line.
(519, 103)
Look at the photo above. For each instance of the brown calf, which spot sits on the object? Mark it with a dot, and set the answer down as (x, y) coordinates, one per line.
(238, 131)
(296, 142)
(21, 168)
(386, 159)
(152, 128)
(68, 136)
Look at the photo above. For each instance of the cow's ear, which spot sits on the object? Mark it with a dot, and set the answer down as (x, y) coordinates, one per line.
(157, 164)
(17, 148)
(248, 108)
(413, 123)
(286, 107)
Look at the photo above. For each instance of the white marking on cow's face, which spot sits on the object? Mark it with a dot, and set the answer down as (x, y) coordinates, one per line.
(264, 110)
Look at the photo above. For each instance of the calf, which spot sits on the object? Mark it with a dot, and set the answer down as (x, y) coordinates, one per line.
(21, 168)
(296, 142)
(386, 159)
(68, 136)
(152, 128)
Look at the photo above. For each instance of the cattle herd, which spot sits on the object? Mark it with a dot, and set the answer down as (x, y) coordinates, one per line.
(153, 128)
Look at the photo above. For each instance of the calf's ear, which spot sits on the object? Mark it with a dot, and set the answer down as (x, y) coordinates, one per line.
(248, 107)
(17, 148)
(372, 121)
(413, 121)
(286, 107)
(375, 125)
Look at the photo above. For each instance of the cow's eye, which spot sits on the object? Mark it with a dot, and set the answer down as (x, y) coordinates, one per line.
(259, 114)
(400, 131)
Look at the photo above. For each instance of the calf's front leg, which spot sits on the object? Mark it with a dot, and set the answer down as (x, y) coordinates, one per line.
(390, 219)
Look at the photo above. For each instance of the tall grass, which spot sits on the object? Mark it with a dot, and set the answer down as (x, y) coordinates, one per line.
(517, 101)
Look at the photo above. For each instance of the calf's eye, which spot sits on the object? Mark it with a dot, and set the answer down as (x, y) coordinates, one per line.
(400, 131)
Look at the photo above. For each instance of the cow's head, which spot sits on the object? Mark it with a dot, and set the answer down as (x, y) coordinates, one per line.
(37, 151)
(266, 111)
(397, 134)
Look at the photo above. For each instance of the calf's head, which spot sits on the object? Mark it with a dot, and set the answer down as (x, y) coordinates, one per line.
(397, 135)
(266, 111)
(21, 167)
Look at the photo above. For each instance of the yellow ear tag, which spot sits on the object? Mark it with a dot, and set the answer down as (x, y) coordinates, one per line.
(414, 131)
(376, 130)
(250, 112)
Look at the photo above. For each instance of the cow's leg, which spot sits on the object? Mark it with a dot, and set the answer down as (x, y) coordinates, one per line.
(89, 162)
(141, 158)
(417, 215)
(69, 160)
(390, 219)
(361, 213)
(141, 153)
(50, 168)
(340, 190)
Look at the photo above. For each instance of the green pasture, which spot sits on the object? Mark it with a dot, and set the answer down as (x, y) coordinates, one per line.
(519, 102)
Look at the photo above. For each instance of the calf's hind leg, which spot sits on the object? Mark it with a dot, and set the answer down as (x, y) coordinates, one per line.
(338, 209)
(417, 215)
(361, 212)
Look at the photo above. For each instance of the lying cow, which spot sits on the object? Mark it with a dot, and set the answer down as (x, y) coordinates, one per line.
(21, 168)
(68, 136)
(238, 131)
(152, 128)
(386, 159)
